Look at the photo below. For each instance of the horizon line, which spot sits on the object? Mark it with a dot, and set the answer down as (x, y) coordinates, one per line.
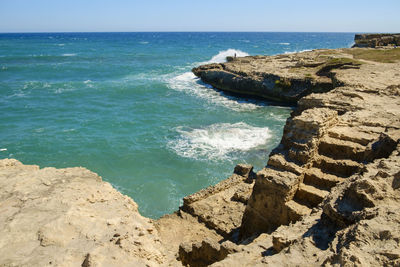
(23, 32)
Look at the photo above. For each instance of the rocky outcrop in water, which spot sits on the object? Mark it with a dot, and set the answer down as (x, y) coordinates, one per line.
(329, 194)
(376, 39)
(282, 78)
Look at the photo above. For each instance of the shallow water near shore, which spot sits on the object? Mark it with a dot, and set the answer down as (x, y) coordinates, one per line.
(126, 106)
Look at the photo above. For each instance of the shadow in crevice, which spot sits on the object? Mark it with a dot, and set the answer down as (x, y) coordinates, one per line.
(323, 232)
(269, 252)
(233, 236)
(241, 98)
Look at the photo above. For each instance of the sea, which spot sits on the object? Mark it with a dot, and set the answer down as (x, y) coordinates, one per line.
(127, 106)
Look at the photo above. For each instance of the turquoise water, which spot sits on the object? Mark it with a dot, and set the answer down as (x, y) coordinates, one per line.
(125, 105)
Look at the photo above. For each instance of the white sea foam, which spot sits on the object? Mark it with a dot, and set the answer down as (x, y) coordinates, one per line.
(39, 130)
(60, 90)
(69, 130)
(145, 76)
(18, 95)
(297, 51)
(221, 56)
(284, 43)
(187, 82)
(69, 55)
(144, 42)
(3, 149)
(88, 83)
(66, 87)
(218, 141)
(190, 84)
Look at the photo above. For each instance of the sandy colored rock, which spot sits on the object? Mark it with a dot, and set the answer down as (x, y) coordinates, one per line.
(182, 228)
(376, 39)
(220, 207)
(332, 138)
(70, 217)
(328, 196)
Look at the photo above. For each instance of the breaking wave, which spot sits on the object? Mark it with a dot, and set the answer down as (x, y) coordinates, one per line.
(297, 51)
(190, 84)
(221, 56)
(187, 82)
(218, 141)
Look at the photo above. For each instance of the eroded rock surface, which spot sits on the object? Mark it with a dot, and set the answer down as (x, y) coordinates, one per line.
(70, 217)
(332, 143)
(328, 196)
(377, 39)
(328, 138)
(288, 78)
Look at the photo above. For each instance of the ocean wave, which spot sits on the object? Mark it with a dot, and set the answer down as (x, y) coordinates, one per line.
(61, 90)
(39, 130)
(19, 94)
(221, 56)
(190, 84)
(297, 51)
(187, 82)
(69, 55)
(143, 42)
(145, 76)
(54, 87)
(284, 43)
(3, 149)
(69, 130)
(88, 83)
(218, 141)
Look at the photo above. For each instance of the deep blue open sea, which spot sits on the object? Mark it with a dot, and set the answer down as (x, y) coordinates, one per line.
(126, 105)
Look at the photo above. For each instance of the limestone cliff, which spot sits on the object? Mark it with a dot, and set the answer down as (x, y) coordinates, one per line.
(376, 39)
(70, 217)
(282, 78)
(329, 194)
(337, 133)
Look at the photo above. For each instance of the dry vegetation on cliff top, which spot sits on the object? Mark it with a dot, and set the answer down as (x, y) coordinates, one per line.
(388, 55)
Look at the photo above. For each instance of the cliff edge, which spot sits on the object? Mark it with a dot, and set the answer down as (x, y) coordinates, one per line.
(329, 194)
(70, 217)
(377, 39)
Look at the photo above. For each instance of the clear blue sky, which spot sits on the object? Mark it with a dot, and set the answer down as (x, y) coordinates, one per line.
(199, 15)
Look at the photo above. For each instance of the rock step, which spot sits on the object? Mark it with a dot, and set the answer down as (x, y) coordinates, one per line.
(342, 168)
(279, 161)
(299, 155)
(319, 179)
(341, 149)
(309, 195)
(296, 210)
(353, 134)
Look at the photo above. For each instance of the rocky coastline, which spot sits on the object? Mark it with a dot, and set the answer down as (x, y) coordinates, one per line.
(329, 194)
(377, 39)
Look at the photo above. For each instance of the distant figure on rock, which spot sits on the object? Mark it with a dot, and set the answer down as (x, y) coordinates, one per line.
(235, 55)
